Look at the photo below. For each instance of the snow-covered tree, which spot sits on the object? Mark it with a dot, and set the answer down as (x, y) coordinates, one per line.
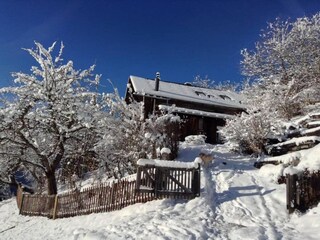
(283, 77)
(206, 82)
(287, 61)
(47, 116)
(129, 136)
(122, 136)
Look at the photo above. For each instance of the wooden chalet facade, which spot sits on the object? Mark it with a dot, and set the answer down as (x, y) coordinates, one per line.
(203, 110)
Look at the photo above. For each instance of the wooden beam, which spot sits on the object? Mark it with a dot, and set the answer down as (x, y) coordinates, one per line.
(178, 183)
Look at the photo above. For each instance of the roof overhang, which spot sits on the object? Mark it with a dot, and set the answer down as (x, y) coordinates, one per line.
(188, 111)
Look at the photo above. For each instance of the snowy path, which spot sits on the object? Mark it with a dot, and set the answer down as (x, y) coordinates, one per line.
(246, 206)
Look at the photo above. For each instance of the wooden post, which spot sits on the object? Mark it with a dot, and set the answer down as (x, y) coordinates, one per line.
(112, 196)
(158, 182)
(199, 179)
(54, 214)
(138, 180)
(288, 193)
(19, 196)
(196, 182)
(21, 204)
(291, 192)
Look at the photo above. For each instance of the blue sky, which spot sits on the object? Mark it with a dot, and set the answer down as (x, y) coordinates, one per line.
(178, 38)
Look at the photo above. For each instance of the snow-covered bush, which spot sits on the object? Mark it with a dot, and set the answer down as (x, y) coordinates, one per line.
(162, 130)
(248, 132)
(196, 139)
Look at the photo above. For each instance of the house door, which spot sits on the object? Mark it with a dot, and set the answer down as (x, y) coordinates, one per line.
(210, 128)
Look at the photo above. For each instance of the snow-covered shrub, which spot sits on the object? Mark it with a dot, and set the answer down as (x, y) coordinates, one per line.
(165, 153)
(248, 132)
(163, 129)
(195, 139)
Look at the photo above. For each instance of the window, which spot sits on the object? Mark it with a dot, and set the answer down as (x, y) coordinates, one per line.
(200, 93)
(211, 96)
(225, 97)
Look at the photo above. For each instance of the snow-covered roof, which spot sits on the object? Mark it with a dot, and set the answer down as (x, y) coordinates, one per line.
(169, 90)
(196, 112)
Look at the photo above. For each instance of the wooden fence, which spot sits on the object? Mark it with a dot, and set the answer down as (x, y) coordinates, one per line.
(303, 191)
(167, 183)
(102, 198)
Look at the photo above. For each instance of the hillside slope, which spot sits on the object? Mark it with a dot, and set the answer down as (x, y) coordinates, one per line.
(237, 202)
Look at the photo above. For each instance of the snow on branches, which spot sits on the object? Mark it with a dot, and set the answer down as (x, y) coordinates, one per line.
(54, 123)
(129, 136)
(47, 115)
(286, 61)
(283, 79)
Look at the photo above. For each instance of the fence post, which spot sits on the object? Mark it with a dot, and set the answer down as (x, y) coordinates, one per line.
(113, 192)
(19, 196)
(138, 182)
(21, 204)
(195, 187)
(199, 180)
(158, 181)
(291, 192)
(54, 214)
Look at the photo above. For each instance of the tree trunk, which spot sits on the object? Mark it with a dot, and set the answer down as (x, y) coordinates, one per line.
(51, 182)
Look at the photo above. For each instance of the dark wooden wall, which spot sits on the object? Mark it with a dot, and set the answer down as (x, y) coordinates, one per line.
(191, 125)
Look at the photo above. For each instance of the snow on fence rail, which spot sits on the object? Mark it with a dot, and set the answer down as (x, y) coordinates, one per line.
(177, 181)
(303, 191)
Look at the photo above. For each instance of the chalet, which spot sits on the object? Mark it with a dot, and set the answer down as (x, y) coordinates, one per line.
(203, 110)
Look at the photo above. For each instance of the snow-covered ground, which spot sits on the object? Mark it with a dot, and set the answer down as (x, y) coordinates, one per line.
(237, 202)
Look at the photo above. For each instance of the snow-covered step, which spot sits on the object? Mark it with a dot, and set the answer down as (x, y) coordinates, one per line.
(311, 132)
(313, 124)
(306, 120)
(294, 144)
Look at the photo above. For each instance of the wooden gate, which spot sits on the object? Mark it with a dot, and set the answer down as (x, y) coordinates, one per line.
(303, 191)
(168, 179)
